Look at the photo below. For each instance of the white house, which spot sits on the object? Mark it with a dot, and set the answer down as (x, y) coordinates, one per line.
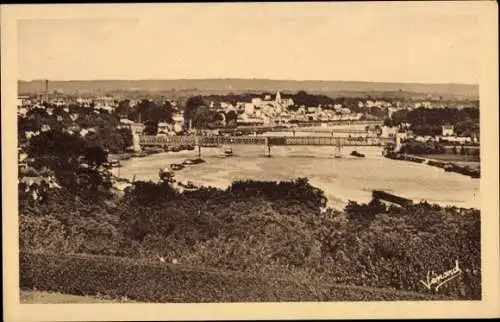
(249, 108)
(256, 101)
(448, 130)
(22, 111)
(178, 119)
(84, 132)
(45, 128)
(227, 106)
(313, 109)
(345, 110)
(458, 139)
(164, 128)
(389, 131)
(287, 102)
(391, 111)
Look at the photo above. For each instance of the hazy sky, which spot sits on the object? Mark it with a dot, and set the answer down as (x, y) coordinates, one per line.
(319, 42)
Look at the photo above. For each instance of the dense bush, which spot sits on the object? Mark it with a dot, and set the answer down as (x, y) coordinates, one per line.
(415, 147)
(90, 275)
(403, 244)
(79, 165)
(296, 192)
(261, 227)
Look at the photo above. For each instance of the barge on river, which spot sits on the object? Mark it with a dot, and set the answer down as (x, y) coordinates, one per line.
(391, 198)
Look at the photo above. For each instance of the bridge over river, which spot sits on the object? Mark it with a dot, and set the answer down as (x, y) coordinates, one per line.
(207, 141)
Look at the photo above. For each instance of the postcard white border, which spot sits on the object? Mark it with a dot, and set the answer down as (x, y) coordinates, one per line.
(488, 307)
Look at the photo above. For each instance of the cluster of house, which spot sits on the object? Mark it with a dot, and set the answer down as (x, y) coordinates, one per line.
(98, 104)
(259, 111)
(409, 105)
(448, 135)
(395, 106)
(59, 112)
(164, 128)
(268, 111)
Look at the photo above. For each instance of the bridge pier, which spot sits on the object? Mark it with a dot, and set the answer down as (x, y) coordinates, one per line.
(268, 148)
(338, 149)
(136, 142)
(198, 143)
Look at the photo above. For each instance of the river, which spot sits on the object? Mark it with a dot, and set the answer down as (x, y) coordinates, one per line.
(342, 179)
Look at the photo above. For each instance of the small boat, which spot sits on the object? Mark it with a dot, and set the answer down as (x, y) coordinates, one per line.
(193, 161)
(210, 145)
(448, 167)
(188, 186)
(140, 155)
(392, 198)
(197, 161)
(357, 154)
(475, 174)
(228, 152)
(176, 166)
(115, 163)
(166, 174)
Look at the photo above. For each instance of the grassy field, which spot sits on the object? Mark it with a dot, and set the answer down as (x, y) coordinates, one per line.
(37, 297)
(169, 283)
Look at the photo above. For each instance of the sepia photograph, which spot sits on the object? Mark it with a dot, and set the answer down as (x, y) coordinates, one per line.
(251, 153)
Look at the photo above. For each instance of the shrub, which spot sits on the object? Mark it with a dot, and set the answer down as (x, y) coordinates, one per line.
(141, 281)
(262, 228)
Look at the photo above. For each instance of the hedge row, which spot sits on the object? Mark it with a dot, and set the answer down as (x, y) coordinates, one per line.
(160, 282)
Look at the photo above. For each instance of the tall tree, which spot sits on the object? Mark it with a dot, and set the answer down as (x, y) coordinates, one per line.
(203, 117)
(123, 110)
(231, 118)
(151, 128)
(191, 106)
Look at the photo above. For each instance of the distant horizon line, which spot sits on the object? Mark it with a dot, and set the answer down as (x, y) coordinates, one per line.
(255, 79)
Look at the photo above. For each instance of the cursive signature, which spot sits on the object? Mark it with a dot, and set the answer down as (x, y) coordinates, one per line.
(440, 280)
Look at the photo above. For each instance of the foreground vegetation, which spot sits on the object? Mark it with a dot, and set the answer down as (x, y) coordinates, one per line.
(266, 228)
(275, 230)
(158, 282)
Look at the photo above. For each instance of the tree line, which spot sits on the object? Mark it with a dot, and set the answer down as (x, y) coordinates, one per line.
(430, 121)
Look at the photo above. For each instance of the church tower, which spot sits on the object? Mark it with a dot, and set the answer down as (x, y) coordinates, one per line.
(278, 97)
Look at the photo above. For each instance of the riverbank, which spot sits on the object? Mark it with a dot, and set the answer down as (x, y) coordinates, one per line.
(342, 179)
(464, 167)
(147, 151)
